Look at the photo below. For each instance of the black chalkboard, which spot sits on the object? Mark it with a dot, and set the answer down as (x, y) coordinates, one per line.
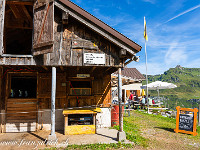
(186, 122)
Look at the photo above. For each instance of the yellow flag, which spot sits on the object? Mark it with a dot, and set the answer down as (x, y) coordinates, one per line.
(145, 30)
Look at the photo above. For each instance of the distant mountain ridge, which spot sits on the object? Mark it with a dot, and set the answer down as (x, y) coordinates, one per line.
(186, 79)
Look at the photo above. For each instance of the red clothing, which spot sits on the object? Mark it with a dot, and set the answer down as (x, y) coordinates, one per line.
(153, 101)
(131, 97)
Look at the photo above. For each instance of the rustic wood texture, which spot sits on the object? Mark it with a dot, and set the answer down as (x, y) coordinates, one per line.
(77, 39)
(43, 28)
(18, 60)
(44, 90)
(16, 121)
(100, 92)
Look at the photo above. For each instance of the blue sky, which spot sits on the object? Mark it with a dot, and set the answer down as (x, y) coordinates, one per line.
(173, 28)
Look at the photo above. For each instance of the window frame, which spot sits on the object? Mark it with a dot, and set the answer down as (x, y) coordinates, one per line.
(90, 79)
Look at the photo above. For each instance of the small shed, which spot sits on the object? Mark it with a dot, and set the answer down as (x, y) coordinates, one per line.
(55, 56)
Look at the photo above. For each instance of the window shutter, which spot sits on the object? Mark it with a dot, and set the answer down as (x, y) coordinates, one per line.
(43, 27)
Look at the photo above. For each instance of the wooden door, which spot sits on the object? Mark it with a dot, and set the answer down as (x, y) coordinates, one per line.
(21, 113)
(43, 27)
(2, 13)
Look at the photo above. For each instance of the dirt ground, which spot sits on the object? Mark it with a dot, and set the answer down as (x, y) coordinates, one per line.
(165, 138)
(37, 140)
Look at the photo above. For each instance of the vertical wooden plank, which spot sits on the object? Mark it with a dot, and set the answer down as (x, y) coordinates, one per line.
(66, 123)
(177, 119)
(1, 103)
(195, 122)
(43, 28)
(2, 14)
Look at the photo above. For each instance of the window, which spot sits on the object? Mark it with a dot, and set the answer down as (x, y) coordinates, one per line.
(80, 87)
(18, 25)
(23, 87)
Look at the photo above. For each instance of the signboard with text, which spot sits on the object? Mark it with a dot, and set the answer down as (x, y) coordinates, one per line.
(83, 75)
(94, 58)
(186, 120)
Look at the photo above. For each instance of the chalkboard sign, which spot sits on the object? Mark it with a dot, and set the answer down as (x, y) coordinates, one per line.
(186, 122)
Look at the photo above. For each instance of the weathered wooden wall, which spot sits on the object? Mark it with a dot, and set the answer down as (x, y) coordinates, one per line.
(44, 90)
(101, 89)
(74, 39)
(43, 27)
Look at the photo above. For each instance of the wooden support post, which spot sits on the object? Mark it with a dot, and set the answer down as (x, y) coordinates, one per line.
(121, 135)
(94, 122)
(53, 97)
(66, 123)
(120, 100)
(199, 116)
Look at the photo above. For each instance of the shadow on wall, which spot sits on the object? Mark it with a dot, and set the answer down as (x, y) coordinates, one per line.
(44, 119)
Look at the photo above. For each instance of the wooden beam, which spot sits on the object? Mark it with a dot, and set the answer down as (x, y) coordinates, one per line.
(77, 69)
(108, 69)
(94, 27)
(61, 67)
(15, 11)
(19, 3)
(93, 68)
(27, 13)
(45, 68)
(18, 27)
(28, 67)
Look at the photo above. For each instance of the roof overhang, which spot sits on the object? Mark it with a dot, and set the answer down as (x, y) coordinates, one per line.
(128, 78)
(98, 26)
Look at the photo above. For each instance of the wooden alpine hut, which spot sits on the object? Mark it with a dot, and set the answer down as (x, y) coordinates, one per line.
(56, 61)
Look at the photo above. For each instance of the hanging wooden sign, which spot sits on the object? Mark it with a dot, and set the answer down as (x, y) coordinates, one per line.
(186, 122)
(83, 75)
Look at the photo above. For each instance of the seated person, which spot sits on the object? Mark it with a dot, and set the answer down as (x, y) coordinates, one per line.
(153, 101)
(143, 101)
(136, 98)
(130, 100)
(150, 100)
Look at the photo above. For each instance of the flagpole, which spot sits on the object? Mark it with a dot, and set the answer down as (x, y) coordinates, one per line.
(146, 39)
(146, 75)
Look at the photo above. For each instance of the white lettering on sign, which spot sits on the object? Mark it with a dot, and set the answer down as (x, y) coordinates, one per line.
(94, 58)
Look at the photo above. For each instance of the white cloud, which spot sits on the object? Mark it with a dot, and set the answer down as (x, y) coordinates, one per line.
(111, 20)
(185, 12)
(150, 1)
(175, 54)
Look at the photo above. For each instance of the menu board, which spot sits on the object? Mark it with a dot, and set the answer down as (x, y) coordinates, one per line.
(186, 122)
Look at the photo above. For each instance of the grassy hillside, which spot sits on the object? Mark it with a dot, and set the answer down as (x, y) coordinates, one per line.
(188, 86)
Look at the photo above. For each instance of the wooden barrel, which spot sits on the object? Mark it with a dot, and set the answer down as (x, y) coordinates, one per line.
(115, 115)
